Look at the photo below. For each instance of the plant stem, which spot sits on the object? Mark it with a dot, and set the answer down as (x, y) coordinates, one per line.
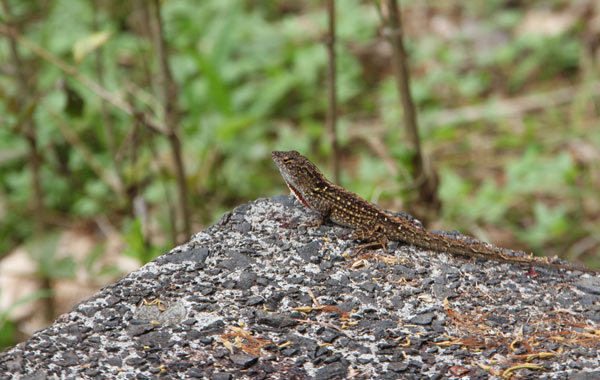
(331, 86)
(425, 178)
(171, 112)
(29, 131)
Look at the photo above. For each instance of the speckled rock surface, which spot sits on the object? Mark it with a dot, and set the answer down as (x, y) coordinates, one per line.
(260, 296)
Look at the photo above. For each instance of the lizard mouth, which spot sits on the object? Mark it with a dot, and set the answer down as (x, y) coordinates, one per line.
(298, 195)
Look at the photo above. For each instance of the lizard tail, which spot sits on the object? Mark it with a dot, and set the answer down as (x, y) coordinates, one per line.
(429, 240)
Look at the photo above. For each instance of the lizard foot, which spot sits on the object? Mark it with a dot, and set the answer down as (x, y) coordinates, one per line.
(369, 246)
(362, 259)
(314, 222)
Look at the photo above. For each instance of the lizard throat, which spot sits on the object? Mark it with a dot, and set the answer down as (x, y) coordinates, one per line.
(298, 195)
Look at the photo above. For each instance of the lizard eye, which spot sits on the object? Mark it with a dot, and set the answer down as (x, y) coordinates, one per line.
(286, 160)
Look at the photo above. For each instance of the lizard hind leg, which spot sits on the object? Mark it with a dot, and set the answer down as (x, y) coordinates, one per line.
(371, 237)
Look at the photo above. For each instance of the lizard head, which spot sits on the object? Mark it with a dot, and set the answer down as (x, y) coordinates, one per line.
(301, 175)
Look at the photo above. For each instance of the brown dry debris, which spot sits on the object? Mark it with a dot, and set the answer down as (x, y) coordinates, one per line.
(362, 259)
(243, 340)
(329, 308)
(558, 327)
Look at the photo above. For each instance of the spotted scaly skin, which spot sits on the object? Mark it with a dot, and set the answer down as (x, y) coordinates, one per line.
(373, 224)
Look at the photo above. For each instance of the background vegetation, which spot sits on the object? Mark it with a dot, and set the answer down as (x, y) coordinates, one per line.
(507, 94)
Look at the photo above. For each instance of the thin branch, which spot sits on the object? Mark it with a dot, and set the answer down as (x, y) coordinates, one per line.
(109, 130)
(29, 131)
(331, 86)
(30, 134)
(394, 33)
(106, 117)
(171, 112)
(71, 71)
(511, 107)
(164, 174)
(425, 177)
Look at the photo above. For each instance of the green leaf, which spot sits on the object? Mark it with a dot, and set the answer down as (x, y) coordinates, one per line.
(93, 256)
(533, 173)
(453, 192)
(452, 186)
(232, 127)
(43, 251)
(8, 331)
(218, 93)
(550, 224)
(75, 102)
(38, 294)
(86, 45)
(137, 246)
(491, 203)
(7, 327)
(134, 238)
(62, 268)
(270, 93)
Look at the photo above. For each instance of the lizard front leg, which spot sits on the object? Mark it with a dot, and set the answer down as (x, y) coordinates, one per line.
(316, 221)
(321, 217)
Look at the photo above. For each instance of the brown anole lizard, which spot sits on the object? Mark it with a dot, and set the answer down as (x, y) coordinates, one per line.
(371, 223)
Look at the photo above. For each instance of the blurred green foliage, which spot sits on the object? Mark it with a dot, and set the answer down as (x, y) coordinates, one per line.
(49, 264)
(7, 327)
(251, 78)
